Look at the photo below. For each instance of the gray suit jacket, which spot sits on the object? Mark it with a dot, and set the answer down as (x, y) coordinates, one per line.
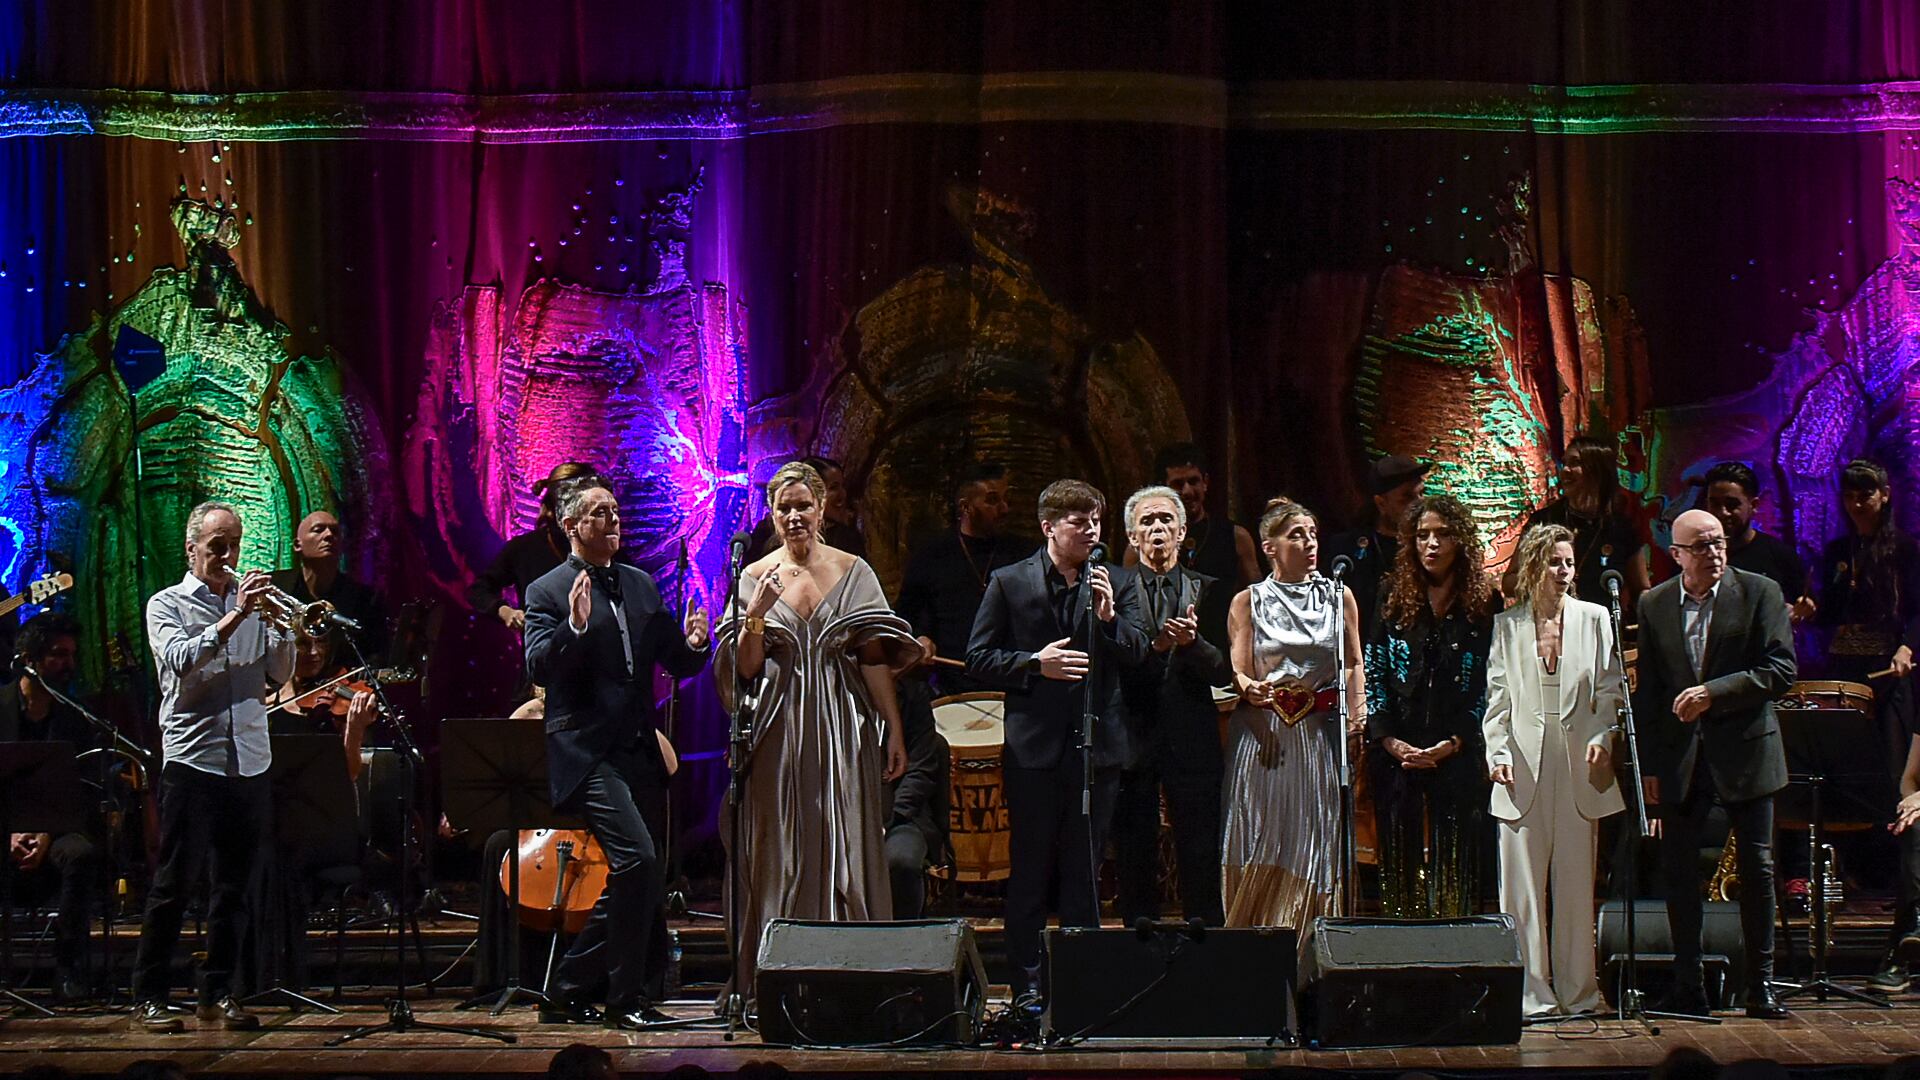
(1748, 663)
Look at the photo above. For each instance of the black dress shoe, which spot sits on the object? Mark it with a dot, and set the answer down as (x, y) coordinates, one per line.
(637, 1018)
(228, 1013)
(559, 1011)
(152, 1016)
(1683, 1001)
(1908, 947)
(1763, 1005)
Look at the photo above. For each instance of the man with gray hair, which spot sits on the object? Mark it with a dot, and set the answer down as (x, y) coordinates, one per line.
(216, 659)
(1173, 727)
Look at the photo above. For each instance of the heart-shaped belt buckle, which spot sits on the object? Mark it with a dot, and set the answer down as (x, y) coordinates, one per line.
(1293, 702)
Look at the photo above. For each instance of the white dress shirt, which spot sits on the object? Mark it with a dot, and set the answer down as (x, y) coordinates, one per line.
(213, 713)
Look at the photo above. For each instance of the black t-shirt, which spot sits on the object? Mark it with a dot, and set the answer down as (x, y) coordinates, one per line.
(354, 599)
(1599, 544)
(1775, 558)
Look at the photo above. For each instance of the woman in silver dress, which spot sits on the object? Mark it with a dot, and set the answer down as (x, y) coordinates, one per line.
(821, 646)
(1282, 789)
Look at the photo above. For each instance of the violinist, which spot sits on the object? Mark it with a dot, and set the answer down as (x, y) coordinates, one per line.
(328, 696)
(49, 642)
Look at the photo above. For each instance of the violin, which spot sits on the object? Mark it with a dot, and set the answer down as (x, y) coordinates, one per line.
(335, 695)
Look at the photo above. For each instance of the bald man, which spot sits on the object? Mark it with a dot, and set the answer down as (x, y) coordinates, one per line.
(1715, 651)
(316, 575)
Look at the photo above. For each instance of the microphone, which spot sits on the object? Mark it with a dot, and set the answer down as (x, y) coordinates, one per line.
(1342, 566)
(19, 665)
(1611, 581)
(1095, 556)
(1193, 929)
(737, 548)
(351, 626)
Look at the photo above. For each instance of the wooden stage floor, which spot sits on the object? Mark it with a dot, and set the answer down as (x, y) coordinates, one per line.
(1835, 1040)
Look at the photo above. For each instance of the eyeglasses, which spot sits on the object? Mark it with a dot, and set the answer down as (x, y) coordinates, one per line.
(1705, 547)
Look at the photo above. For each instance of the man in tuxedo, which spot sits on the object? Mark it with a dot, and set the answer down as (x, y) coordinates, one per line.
(1045, 624)
(594, 630)
(1173, 727)
(1715, 650)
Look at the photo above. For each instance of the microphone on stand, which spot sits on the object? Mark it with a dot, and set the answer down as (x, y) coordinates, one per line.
(1611, 581)
(1095, 557)
(1342, 566)
(736, 550)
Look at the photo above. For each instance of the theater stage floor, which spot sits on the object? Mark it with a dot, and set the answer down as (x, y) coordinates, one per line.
(1821, 1037)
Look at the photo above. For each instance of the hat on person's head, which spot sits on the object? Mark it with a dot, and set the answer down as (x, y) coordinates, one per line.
(1395, 469)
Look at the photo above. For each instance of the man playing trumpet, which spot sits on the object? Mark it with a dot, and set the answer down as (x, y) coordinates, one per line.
(215, 657)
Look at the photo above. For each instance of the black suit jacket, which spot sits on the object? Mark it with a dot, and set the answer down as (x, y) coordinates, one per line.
(1748, 663)
(1172, 722)
(593, 704)
(1016, 620)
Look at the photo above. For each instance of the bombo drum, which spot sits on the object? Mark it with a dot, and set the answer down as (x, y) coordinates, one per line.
(974, 726)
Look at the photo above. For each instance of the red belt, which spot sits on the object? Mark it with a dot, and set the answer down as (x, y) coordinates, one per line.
(1295, 703)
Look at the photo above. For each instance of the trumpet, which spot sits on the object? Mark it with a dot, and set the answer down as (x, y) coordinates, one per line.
(286, 611)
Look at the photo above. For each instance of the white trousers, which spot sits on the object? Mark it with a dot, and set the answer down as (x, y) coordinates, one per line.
(1546, 884)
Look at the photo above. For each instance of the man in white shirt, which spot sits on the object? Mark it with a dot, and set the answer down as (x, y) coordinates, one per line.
(216, 660)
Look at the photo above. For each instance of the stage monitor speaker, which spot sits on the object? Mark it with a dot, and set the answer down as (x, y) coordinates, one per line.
(1435, 982)
(1723, 949)
(1173, 987)
(870, 984)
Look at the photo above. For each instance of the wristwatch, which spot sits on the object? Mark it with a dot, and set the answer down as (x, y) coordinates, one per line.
(1033, 664)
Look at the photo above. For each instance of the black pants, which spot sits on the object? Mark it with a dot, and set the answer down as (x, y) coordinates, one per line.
(1048, 847)
(907, 869)
(1906, 917)
(66, 876)
(1681, 831)
(1193, 804)
(202, 816)
(624, 944)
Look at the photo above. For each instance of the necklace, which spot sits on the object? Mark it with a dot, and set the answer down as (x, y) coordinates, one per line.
(978, 576)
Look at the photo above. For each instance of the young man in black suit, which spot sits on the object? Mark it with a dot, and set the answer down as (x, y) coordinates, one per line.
(1173, 726)
(1043, 622)
(1715, 651)
(594, 630)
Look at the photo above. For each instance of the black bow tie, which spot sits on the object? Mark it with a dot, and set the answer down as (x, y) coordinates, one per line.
(605, 578)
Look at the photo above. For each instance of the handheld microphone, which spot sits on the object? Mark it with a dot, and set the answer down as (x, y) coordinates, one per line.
(19, 665)
(1342, 566)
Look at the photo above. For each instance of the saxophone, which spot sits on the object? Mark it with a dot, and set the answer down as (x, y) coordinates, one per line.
(1725, 883)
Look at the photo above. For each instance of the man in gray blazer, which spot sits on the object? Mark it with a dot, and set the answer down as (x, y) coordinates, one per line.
(1715, 651)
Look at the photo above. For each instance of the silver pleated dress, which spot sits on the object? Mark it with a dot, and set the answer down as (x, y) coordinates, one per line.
(1282, 804)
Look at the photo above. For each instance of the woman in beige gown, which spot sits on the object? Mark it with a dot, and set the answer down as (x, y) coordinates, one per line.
(819, 646)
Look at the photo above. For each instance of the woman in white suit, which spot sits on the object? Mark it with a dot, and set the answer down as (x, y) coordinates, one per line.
(1554, 688)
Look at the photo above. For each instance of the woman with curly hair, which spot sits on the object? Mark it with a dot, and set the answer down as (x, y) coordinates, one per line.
(1554, 686)
(1426, 691)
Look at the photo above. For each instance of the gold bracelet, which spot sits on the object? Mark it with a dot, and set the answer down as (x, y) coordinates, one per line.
(756, 624)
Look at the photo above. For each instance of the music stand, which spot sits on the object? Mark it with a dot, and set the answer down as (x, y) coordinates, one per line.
(315, 819)
(39, 793)
(493, 775)
(1824, 749)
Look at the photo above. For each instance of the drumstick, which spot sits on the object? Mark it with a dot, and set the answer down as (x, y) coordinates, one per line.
(950, 663)
(1879, 674)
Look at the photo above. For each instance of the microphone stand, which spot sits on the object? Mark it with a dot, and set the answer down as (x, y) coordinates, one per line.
(141, 757)
(1086, 737)
(676, 899)
(1630, 1002)
(1344, 759)
(400, 1017)
(739, 747)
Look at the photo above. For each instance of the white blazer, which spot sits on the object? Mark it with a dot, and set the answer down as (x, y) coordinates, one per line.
(1591, 689)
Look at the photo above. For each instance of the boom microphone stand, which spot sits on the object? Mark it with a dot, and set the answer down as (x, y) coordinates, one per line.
(1631, 1004)
(400, 1017)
